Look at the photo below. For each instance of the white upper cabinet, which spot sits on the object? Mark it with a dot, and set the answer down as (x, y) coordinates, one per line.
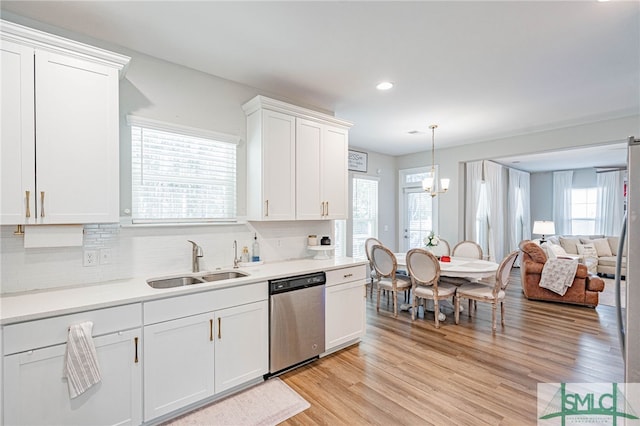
(321, 171)
(300, 166)
(61, 130)
(271, 166)
(17, 148)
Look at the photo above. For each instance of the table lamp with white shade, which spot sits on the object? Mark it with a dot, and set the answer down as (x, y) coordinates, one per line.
(543, 227)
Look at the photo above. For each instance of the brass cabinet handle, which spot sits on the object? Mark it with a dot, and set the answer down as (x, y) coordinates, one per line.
(135, 340)
(219, 328)
(348, 275)
(327, 209)
(211, 330)
(322, 209)
(42, 204)
(28, 197)
(267, 209)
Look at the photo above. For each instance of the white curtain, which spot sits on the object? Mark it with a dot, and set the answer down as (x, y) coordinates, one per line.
(473, 172)
(610, 211)
(519, 208)
(495, 178)
(562, 185)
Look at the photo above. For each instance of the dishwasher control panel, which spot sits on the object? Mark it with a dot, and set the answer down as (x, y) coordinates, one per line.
(298, 282)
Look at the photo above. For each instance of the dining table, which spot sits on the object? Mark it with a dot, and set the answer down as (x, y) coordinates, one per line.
(459, 267)
(456, 267)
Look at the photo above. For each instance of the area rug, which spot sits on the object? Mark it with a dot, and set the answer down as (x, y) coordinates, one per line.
(608, 296)
(268, 403)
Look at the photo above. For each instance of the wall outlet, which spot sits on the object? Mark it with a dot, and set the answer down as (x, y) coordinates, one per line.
(105, 256)
(90, 258)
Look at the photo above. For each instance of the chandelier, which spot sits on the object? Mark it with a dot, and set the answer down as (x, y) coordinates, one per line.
(429, 183)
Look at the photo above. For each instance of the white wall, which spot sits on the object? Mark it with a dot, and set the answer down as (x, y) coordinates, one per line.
(450, 159)
(541, 196)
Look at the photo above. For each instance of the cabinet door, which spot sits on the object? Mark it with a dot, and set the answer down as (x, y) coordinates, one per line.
(278, 166)
(76, 140)
(17, 143)
(334, 177)
(308, 198)
(178, 364)
(242, 344)
(345, 313)
(35, 393)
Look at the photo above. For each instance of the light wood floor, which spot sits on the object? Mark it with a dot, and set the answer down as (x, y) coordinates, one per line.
(413, 374)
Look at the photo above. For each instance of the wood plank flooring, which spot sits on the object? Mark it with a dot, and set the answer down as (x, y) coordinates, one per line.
(410, 373)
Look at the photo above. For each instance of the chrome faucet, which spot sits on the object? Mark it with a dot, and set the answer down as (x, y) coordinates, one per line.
(235, 254)
(196, 254)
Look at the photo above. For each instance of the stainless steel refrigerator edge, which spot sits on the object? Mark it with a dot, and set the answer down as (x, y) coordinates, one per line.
(630, 330)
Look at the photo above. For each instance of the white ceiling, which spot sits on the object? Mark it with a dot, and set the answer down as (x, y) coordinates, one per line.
(480, 70)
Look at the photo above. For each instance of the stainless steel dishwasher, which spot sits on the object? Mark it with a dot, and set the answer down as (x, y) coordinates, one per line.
(296, 318)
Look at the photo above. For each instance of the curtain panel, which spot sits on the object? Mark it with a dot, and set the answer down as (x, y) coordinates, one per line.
(562, 184)
(610, 213)
(496, 181)
(473, 182)
(519, 208)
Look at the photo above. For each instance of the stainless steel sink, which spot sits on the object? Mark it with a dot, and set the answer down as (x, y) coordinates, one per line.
(227, 275)
(174, 282)
(196, 279)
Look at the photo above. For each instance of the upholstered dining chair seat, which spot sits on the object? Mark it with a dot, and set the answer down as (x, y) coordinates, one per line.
(444, 290)
(403, 282)
(479, 291)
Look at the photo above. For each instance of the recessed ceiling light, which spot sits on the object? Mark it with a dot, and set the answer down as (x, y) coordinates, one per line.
(385, 85)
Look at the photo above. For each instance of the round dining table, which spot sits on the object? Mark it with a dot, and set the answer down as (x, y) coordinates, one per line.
(457, 267)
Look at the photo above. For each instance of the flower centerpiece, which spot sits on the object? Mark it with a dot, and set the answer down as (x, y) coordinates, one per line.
(431, 240)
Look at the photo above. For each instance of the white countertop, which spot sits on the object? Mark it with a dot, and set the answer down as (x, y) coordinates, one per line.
(33, 305)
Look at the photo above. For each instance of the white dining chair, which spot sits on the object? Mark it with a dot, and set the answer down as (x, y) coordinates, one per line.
(386, 265)
(442, 249)
(468, 249)
(368, 245)
(424, 270)
(491, 294)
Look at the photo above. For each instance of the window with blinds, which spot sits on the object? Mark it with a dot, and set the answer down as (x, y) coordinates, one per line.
(365, 213)
(181, 174)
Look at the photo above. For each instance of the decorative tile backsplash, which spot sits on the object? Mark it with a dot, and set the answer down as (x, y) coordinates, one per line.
(139, 251)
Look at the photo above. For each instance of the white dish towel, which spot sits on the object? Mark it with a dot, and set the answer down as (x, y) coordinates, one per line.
(81, 361)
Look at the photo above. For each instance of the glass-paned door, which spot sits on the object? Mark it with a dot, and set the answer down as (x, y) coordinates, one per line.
(419, 209)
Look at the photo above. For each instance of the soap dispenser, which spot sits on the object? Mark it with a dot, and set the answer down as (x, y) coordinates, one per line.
(255, 255)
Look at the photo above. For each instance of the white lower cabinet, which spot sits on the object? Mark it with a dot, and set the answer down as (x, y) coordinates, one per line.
(178, 367)
(35, 392)
(191, 358)
(345, 300)
(241, 344)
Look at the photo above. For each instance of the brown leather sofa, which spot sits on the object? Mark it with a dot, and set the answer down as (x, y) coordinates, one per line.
(583, 291)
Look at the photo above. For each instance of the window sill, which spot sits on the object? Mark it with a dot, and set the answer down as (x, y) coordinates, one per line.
(125, 222)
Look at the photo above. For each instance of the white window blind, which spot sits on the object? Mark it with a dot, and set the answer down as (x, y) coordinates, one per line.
(181, 174)
(365, 214)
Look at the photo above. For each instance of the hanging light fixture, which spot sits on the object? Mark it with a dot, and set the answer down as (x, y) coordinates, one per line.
(429, 184)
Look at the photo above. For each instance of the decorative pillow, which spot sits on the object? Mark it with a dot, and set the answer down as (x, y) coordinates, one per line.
(587, 250)
(613, 244)
(590, 257)
(602, 246)
(554, 240)
(557, 250)
(546, 247)
(570, 244)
